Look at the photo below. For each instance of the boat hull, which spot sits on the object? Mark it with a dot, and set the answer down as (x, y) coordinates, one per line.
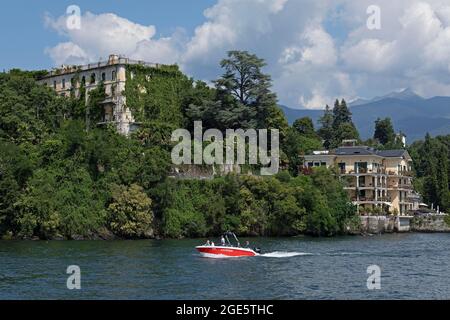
(224, 252)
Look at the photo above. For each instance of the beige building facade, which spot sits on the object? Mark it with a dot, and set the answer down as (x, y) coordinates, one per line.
(376, 180)
(67, 81)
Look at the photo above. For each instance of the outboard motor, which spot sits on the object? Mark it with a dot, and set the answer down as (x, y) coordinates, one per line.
(257, 250)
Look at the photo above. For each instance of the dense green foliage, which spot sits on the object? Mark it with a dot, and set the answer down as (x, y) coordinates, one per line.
(242, 98)
(280, 205)
(432, 167)
(301, 139)
(337, 125)
(384, 131)
(64, 176)
(130, 213)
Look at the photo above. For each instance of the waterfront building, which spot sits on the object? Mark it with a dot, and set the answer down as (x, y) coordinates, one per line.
(378, 181)
(68, 80)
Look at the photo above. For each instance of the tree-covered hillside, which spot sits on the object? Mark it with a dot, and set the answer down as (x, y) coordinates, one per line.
(61, 176)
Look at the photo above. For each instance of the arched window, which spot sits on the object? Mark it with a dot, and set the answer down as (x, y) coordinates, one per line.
(103, 77)
(92, 78)
(63, 83)
(83, 80)
(54, 85)
(113, 76)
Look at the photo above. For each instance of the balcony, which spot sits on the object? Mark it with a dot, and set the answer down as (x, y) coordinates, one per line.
(379, 171)
(401, 173)
(350, 183)
(371, 199)
(414, 197)
(401, 186)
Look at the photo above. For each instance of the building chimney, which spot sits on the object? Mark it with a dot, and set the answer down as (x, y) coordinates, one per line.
(113, 58)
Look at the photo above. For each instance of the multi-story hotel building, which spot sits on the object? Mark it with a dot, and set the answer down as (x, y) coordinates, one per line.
(379, 179)
(67, 80)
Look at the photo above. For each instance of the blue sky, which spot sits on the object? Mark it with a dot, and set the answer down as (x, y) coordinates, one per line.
(25, 35)
(316, 50)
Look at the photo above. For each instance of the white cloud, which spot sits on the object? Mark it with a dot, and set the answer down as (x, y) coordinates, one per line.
(103, 34)
(316, 50)
(370, 55)
(254, 25)
(318, 98)
(67, 53)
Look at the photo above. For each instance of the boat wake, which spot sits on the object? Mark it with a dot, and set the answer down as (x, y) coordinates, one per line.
(283, 254)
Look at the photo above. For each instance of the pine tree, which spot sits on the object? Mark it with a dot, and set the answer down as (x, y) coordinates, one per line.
(245, 81)
(341, 114)
(304, 126)
(326, 130)
(384, 131)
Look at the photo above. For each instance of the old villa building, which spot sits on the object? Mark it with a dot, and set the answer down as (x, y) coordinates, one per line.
(68, 80)
(376, 180)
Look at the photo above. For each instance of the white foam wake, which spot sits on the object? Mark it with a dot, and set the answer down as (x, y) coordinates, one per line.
(283, 254)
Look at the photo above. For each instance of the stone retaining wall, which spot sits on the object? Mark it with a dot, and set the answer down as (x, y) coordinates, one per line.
(435, 223)
(384, 224)
(376, 224)
(388, 224)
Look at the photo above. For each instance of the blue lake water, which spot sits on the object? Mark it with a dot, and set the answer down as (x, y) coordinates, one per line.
(413, 266)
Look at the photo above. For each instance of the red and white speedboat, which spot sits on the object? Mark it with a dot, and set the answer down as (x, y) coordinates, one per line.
(210, 250)
(224, 252)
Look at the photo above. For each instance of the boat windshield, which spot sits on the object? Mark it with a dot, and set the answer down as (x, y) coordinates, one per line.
(231, 235)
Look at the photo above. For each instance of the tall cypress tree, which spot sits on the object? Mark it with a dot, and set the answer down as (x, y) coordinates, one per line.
(442, 177)
(429, 167)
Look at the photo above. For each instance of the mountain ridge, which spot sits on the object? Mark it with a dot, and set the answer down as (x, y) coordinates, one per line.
(406, 94)
(410, 113)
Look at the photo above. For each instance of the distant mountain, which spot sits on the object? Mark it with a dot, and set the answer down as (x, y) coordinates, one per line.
(410, 113)
(406, 95)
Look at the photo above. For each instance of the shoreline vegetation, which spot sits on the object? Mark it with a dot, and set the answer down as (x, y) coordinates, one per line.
(64, 177)
(107, 235)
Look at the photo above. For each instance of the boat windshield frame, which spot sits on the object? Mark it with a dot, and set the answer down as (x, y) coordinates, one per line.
(229, 234)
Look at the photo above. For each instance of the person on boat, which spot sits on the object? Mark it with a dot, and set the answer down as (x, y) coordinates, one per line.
(247, 244)
(222, 241)
(208, 243)
(212, 244)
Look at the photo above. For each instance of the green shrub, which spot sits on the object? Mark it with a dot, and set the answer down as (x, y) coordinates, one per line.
(129, 213)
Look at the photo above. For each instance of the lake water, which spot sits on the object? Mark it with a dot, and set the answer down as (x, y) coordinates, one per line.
(413, 266)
